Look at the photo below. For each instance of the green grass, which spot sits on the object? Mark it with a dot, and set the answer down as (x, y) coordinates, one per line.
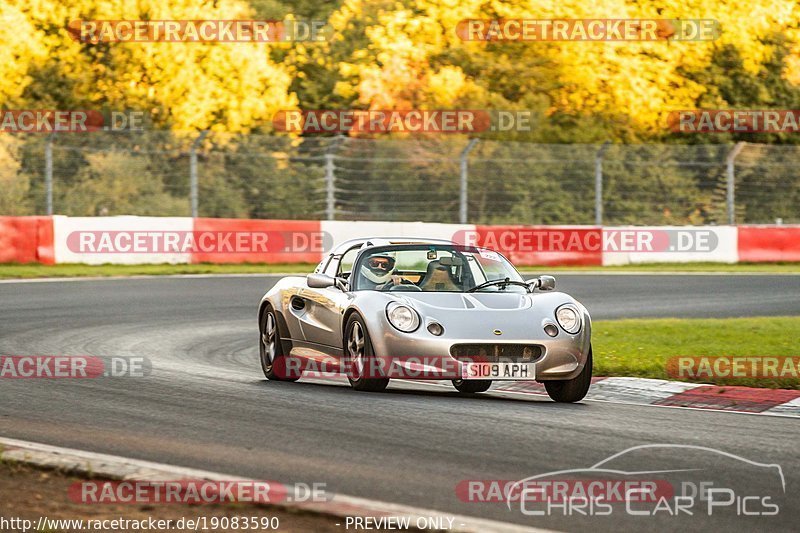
(34, 270)
(641, 347)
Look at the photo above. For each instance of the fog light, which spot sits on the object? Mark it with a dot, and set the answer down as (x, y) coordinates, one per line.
(551, 330)
(435, 328)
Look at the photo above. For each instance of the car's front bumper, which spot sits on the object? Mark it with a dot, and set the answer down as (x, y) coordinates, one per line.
(562, 356)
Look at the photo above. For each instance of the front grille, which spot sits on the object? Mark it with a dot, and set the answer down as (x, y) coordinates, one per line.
(496, 353)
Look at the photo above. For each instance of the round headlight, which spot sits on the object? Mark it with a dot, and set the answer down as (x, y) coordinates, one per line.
(568, 319)
(402, 317)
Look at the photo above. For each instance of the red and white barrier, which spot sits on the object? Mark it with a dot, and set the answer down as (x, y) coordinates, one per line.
(542, 245)
(124, 240)
(140, 240)
(340, 230)
(26, 240)
(284, 241)
(628, 245)
(760, 244)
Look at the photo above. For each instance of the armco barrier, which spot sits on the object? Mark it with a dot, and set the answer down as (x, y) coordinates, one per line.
(62, 239)
(26, 240)
(769, 243)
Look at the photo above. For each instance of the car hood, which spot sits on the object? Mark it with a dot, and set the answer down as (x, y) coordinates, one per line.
(495, 301)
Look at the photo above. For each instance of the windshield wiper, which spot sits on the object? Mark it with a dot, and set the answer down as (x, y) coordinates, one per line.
(502, 283)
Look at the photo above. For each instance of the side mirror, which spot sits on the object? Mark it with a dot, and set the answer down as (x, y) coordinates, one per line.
(547, 283)
(320, 281)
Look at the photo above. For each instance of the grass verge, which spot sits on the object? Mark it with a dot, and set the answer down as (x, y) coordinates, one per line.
(642, 347)
(35, 270)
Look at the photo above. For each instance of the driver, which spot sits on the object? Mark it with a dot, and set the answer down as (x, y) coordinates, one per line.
(378, 272)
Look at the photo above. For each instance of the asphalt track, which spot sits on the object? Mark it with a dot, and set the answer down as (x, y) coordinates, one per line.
(206, 404)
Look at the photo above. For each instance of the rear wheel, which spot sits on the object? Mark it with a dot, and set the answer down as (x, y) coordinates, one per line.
(571, 390)
(358, 350)
(274, 363)
(471, 386)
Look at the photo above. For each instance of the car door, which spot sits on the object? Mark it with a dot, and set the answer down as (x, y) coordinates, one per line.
(320, 310)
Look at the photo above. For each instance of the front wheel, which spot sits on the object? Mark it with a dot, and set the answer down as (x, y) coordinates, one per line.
(274, 363)
(471, 386)
(363, 365)
(571, 390)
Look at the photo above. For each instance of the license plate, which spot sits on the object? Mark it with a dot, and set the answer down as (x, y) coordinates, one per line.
(498, 371)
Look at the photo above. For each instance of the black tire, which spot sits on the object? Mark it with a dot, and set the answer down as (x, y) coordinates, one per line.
(471, 386)
(273, 360)
(572, 390)
(361, 357)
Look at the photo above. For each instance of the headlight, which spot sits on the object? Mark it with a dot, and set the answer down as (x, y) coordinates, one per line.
(402, 317)
(568, 318)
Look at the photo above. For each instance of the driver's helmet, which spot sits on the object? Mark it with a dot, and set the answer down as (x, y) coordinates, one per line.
(378, 268)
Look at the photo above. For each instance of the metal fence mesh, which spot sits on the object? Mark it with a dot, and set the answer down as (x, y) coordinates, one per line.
(427, 179)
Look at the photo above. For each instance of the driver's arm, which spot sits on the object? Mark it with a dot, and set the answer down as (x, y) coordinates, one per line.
(395, 279)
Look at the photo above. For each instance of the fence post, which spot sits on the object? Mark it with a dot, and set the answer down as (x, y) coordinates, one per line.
(48, 173)
(731, 183)
(463, 195)
(330, 176)
(330, 183)
(193, 194)
(598, 184)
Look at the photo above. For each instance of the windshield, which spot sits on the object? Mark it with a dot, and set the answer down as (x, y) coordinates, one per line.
(433, 268)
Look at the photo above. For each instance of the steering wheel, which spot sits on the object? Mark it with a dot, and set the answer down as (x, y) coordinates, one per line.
(405, 286)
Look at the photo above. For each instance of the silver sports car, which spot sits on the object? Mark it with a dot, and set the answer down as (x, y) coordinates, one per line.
(383, 308)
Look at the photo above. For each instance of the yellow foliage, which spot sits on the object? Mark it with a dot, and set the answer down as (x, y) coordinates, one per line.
(185, 86)
(640, 79)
